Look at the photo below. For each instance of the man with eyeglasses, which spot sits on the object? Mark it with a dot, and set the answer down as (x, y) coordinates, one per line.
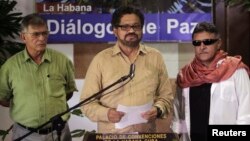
(37, 82)
(149, 82)
(215, 88)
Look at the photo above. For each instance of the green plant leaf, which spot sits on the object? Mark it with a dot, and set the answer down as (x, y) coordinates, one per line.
(4, 133)
(246, 3)
(8, 48)
(9, 20)
(77, 133)
(77, 112)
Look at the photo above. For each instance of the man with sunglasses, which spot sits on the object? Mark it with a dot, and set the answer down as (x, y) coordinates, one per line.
(37, 82)
(215, 88)
(148, 82)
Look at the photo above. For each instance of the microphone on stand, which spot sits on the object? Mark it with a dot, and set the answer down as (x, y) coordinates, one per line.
(132, 71)
(130, 75)
(56, 120)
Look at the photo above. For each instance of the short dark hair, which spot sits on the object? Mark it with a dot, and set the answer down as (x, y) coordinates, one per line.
(32, 19)
(207, 27)
(117, 15)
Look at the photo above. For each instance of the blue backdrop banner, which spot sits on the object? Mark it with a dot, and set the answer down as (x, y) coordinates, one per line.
(97, 27)
(89, 20)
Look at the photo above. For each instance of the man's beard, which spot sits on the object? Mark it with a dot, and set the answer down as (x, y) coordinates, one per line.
(131, 44)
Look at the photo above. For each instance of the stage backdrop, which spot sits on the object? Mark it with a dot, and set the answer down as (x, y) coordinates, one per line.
(78, 21)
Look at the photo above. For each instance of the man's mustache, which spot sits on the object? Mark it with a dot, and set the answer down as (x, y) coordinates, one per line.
(131, 34)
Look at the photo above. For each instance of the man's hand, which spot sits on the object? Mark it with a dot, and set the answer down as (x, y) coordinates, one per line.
(114, 116)
(150, 114)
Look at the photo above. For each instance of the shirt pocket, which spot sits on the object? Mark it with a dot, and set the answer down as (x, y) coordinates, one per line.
(150, 84)
(56, 85)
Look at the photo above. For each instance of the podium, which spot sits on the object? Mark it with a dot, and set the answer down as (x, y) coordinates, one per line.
(130, 137)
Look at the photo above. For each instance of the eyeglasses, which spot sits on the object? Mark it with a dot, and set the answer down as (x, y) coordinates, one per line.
(127, 27)
(37, 34)
(205, 42)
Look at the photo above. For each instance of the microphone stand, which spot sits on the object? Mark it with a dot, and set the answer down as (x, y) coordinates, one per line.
(57, 121)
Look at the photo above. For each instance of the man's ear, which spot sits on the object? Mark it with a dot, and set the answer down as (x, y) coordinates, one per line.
(22, 37)
(219, 44)
(115, 31)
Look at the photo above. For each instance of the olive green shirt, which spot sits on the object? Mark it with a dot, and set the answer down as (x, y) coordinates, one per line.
(150, 83)
(36, 92)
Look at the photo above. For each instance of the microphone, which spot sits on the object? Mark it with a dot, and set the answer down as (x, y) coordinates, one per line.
(132, 71)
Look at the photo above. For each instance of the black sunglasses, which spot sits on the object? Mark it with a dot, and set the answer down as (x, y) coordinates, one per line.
(205, 42)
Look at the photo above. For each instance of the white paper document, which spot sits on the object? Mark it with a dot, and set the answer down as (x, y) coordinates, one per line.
(132, 115)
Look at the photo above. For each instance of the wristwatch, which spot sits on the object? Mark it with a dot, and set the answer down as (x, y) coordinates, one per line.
(159, 112)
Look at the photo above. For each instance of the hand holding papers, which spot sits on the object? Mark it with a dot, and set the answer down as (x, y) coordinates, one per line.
(132, 115)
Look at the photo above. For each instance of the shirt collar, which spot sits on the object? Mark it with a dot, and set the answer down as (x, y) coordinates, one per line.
(46, 56)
